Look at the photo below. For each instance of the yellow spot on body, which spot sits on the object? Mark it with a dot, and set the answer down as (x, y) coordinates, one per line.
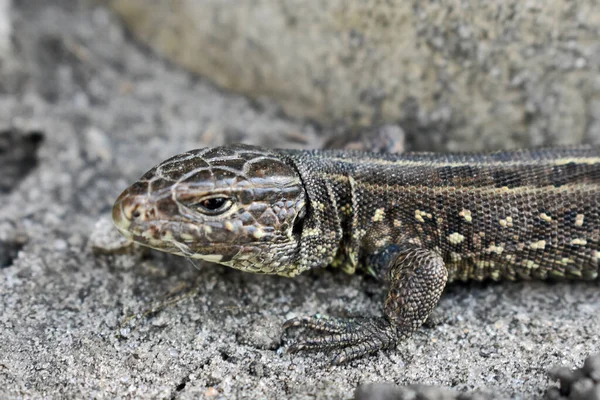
(359, 233)
(579, 219)
(414, 241)
(311, 232)
(346, 209)
(167, 235)
(539, 245)
(545, 217)
(507, 222)
(428, 215)
(581, 242)
(229, 226)
(258, 234)
(455, 238)
(419, 216)
(597, 255)
(455, 257)
(495, 249)
(382, 242)
(466, 214)
(565, 261)
(379, 214)
(481, 264)
(530, 264)
(207, 229)
(397, 223)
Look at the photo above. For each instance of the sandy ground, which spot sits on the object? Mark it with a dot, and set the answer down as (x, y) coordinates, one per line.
(108, 110)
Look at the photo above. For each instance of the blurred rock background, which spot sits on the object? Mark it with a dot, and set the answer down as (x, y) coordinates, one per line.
(455, 75)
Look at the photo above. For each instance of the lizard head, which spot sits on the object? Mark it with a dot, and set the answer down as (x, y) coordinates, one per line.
(239, 205)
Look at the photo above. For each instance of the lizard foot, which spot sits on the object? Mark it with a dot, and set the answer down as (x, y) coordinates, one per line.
(349, 338)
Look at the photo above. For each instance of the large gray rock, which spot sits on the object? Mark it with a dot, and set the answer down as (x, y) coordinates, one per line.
(5, 27)
(456, 74)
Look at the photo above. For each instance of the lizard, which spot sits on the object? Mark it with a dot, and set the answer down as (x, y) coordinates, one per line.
(415, 221)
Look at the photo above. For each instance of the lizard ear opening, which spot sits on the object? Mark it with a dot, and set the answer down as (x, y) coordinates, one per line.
(299, 224)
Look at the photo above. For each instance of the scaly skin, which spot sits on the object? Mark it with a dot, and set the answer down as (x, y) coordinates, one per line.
(415, 221)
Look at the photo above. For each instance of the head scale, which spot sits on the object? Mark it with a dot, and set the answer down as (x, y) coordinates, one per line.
(236, 205)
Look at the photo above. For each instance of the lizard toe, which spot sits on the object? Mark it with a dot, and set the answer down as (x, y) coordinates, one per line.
(357, 350)
(320, 322)
(326, 342)
(351, 337)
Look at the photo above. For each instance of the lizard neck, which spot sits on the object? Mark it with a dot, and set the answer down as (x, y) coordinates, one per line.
(327, 215)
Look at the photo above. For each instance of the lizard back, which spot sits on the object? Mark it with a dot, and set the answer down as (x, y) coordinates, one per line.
(510, 214)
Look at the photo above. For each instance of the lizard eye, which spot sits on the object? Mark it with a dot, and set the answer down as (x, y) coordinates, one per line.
(214, 205)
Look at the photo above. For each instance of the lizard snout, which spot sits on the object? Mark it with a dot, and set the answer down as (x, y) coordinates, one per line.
(132, 209)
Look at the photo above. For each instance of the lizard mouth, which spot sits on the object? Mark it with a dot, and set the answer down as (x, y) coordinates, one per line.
(159, 236)
(134, 222)
(165, 235)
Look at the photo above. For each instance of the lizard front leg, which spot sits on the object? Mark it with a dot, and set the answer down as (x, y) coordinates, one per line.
(417, 279)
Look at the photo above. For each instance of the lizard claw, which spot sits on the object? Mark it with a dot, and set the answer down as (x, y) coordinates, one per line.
(351, 337)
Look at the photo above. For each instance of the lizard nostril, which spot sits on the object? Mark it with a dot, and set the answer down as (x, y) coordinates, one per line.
(134, 210)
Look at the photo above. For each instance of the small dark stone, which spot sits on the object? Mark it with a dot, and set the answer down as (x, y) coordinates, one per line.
(18, 156)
